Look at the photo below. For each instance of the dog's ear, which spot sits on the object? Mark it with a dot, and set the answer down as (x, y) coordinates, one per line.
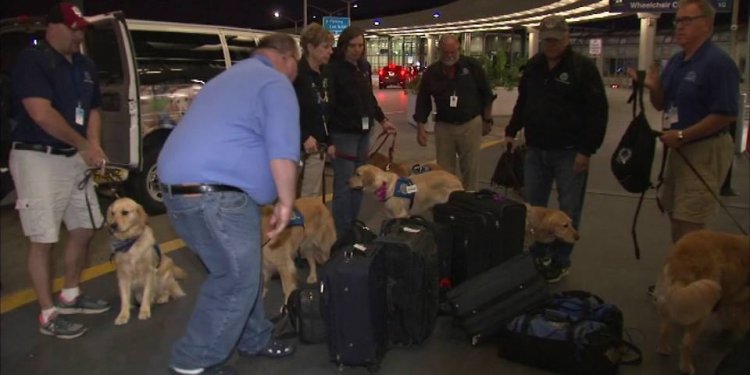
(142, 216)
(368, 176)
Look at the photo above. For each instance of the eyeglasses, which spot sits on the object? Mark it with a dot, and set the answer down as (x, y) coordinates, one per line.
(687, 20)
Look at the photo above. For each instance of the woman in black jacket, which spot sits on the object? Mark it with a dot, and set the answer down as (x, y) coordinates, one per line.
(353, 110)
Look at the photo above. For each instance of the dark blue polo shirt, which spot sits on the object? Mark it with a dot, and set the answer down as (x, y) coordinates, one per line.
(42, 72)
(706, 84)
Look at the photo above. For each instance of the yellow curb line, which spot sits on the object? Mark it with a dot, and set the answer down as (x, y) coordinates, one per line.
(20, 298)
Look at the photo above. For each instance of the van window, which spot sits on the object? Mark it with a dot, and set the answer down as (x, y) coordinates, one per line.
(102, 47)
(240, 47)
(172, 68)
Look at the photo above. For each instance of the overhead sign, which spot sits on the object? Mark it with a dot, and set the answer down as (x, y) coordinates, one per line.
(659, 6)
(336, 25)
(595, 47)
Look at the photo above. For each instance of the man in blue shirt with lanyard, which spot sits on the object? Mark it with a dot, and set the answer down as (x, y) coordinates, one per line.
(56, 101)
(237, 148)
(698, 92)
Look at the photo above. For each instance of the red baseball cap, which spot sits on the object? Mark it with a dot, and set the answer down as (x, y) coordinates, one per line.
(68, 14)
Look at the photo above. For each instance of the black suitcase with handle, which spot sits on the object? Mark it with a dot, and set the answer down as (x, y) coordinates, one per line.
(486, 227)
(354, 306)
(304, 308)
(412, 264)
(484, 304)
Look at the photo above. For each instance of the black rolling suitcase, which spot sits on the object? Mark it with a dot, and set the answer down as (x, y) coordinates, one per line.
(354, 306)
(487, 229)
(304, 309)
(412, 273)
(484, 304)
(444, 241)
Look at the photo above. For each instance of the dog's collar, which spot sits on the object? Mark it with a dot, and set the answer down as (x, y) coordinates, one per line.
(297, 220)
(122, 246)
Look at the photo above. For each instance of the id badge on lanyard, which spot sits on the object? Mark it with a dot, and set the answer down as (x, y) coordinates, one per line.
(453, 100)
(80, 113)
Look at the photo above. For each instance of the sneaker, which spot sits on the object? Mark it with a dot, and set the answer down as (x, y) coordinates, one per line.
(61, 328)
(557, 274)
(83, 304)
(550, 270)
(213, 370)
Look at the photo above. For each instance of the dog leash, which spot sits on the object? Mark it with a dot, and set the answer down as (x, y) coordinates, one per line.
(383, 136)
(108, 174)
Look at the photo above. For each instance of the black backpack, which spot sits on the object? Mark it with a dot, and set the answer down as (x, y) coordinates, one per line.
(631, 162)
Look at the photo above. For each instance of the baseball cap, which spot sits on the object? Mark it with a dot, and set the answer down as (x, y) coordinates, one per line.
(553, 27)
(68, 14)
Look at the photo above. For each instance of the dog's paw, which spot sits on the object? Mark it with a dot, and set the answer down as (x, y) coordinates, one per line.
(144, 314)
(163, 298)
(122, 318)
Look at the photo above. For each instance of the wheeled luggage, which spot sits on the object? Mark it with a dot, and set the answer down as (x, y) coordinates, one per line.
(304, 309)
(411, 263)
(487, 229)
(354, 306)
(485, 303)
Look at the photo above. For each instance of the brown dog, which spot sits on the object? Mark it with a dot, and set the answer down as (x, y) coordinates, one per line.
(705, 272)
(431, 188)
(313, 240)
(545, 225)
(140, 267)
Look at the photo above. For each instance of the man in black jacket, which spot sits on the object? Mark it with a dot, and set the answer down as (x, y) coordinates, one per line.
(463, 98)
(563, 107)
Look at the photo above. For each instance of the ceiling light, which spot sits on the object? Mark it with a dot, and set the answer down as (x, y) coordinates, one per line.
(276, 14)
(376, 22)
(436, 14)
(355, 5)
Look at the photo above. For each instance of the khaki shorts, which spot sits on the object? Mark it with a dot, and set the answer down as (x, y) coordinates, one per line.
(48, 194)
(683, 195)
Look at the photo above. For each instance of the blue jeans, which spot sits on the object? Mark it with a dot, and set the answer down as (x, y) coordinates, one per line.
(223, 229)
(351, 150)
(542, 167)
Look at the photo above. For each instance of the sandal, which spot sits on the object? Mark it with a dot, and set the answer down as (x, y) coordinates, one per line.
(274, 349)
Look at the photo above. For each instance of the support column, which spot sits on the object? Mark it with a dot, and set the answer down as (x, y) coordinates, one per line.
(429, 50)
(533, 40)
(648, 36)
(390, 50)
(466, 45)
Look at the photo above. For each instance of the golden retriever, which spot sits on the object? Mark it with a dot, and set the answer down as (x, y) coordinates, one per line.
(546, 225)
(431, 188)
(401, 169)
(313, 241)
(705, 272)
(140, 268)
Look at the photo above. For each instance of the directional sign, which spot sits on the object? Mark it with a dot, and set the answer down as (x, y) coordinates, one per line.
(595, 47)
(336, 24)
(659, 6)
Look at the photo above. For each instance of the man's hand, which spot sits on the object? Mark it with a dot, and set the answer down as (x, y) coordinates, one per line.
(671, 139)
(651, 81)
(279, 219)
(93, 155)
(421, 135)
(581, 164)
(510, 141)
(310, 145)
(388, 126)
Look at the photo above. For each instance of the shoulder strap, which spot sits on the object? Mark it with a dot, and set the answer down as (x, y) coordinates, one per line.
(637, 96)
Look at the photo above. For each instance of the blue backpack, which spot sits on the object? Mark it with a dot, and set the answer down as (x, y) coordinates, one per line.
(575, 332)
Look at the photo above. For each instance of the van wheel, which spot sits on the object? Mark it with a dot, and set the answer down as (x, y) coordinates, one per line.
(144, 185)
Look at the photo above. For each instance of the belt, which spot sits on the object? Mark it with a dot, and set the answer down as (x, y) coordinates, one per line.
(197, 189)
(45, 149)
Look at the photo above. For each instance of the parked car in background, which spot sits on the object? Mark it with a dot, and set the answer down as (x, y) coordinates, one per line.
(391, 75)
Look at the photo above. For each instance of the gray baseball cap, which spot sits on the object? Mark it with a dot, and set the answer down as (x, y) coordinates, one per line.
(553, 27)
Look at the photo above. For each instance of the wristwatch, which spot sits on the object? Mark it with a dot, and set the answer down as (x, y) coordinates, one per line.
(680, 136)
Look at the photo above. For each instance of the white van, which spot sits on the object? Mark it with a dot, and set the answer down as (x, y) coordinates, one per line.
(149, 73)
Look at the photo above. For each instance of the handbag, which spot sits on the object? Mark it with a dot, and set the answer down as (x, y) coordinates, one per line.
(509, 169)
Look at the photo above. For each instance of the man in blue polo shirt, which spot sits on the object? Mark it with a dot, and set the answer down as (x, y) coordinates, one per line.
(56, 100)
(236, 148)
(698, 92)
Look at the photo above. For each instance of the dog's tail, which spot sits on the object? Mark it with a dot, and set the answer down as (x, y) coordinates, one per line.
(178, 272)
(689, 303)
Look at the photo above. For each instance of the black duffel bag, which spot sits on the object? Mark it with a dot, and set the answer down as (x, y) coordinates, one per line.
(575, 332)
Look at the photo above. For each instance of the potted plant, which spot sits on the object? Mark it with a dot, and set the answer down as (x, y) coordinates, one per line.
(503, 77)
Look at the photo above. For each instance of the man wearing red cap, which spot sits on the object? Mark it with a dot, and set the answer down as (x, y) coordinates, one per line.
(57, 137)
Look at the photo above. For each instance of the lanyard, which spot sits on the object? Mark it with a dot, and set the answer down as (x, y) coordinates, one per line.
(75, 75)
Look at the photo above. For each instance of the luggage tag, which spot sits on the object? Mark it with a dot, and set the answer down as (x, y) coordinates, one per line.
(365, 123)
(453, 100)
(79, 114)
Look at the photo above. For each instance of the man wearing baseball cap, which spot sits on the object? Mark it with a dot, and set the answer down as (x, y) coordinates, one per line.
(57, 137)
(563, 107)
